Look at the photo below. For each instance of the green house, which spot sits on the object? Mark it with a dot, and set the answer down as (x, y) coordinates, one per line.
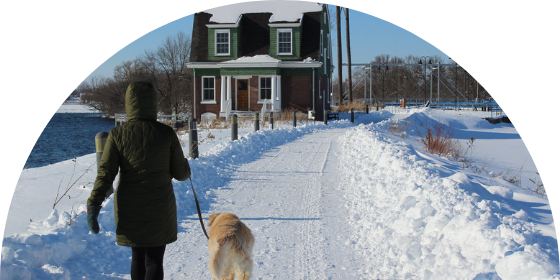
(264, 56)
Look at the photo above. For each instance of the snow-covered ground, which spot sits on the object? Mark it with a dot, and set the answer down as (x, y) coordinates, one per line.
(348, 200)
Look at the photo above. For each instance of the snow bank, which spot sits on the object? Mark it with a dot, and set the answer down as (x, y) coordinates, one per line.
(423, 218)
(64, 249)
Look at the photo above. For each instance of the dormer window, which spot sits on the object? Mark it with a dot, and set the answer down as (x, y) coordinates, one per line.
(222, 42)
(284, 41)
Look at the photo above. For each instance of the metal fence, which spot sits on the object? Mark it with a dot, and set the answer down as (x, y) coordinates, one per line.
(493, 109)
(181, 119)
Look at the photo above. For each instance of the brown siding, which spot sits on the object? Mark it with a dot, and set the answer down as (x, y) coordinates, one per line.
(297, 92)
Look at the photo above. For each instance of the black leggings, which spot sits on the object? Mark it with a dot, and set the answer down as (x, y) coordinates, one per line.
(147, 263)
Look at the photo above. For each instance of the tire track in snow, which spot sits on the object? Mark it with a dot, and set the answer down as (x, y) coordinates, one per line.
(311, 197)
(340, 255)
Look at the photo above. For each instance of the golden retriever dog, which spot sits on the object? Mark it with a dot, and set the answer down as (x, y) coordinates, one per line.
(230, 245)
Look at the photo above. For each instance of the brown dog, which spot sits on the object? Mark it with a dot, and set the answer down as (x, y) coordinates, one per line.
(230, 245)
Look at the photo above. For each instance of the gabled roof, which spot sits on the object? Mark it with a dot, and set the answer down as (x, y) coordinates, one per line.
(282, 11)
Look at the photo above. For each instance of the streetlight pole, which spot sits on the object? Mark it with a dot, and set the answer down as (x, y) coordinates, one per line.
(476, 91)
(438, 81)
(431, 81)
(456, 76)
(365, 85)
(425, 63)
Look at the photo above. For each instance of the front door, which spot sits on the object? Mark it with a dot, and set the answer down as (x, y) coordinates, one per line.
(242, 95)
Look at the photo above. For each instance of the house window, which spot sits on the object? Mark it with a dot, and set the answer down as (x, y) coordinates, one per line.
(208, 89)
(222, 42)
(284, 41)
(265, 88)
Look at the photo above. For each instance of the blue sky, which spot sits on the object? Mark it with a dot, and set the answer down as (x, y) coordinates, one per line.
(148, 42)
(369, 35)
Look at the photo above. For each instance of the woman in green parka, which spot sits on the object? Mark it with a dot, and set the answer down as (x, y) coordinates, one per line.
(148, 156)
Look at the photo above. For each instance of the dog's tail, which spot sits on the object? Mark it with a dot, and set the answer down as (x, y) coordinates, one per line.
(245, 244)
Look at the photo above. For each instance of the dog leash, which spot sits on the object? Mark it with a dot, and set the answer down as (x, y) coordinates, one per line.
(198, 209)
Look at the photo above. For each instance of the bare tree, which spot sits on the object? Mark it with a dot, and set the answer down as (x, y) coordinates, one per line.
(99, 95)
(166, 69)
(108, 94)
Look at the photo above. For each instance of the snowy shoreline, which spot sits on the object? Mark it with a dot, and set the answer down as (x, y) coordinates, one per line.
(430, 214)
(76, 108)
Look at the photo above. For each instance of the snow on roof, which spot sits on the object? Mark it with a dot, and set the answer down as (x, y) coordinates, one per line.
(262, 58)
(289, 11)
(256, 58)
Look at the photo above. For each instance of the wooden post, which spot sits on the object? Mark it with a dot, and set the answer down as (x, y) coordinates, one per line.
(233, 127)
(193, 139)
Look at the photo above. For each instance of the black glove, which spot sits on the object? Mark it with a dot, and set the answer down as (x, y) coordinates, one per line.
(92, 214)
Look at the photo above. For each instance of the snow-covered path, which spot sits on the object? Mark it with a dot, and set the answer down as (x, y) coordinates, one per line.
(343, 201)
(289, 197)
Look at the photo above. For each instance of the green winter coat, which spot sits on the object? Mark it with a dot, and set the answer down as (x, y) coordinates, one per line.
(149, 156)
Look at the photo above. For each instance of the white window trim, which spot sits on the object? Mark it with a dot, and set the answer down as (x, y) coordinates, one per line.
(216, 42)
(208, 101)
(284, 30)
(261, 101)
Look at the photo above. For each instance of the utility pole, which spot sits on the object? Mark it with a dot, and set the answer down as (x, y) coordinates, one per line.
(438, 81)
(465, 82)
(456, 77)
(339, 55)
(350, 98)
